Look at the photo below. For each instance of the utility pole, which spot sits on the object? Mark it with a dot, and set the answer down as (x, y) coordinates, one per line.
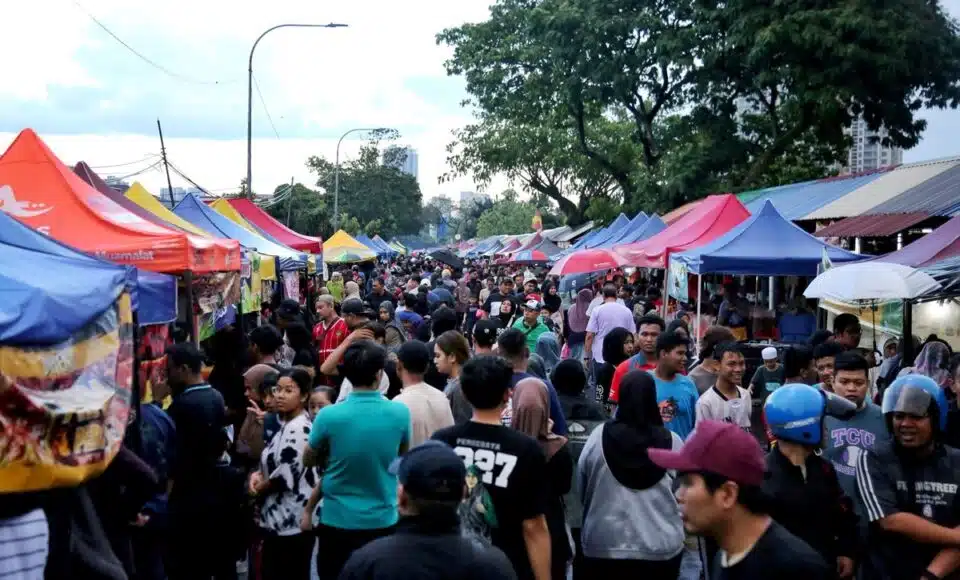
(290, 202)
(166, 166)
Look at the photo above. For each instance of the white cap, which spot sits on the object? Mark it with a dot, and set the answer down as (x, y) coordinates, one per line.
(768, 353)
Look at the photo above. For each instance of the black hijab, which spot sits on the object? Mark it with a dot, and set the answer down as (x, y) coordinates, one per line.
(613, 346)
(552, 301)
(636, 428)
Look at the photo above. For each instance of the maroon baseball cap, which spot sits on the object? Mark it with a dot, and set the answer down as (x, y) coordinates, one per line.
(721, 448)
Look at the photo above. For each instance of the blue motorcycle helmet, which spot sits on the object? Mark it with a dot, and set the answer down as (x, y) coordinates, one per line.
(914, 395)
(795, 412)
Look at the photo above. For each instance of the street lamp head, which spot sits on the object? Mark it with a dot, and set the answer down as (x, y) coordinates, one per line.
(336, 25)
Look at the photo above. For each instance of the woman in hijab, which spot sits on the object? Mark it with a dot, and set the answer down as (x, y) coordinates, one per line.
(617, 347)
(352, 290)
(934, 362)
(531, 416)
(335, 287)
(569, 378)
(631, 520)
(396, 334)
(548, 347)
(551, 299)
(575, 324)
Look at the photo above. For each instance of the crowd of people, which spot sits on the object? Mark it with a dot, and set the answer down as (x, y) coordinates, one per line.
(417, 421)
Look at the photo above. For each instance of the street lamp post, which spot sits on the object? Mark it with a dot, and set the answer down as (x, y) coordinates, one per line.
(336, 174)
(250, 89)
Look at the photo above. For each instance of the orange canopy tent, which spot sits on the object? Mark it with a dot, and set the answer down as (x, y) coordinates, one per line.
(43, 193)
(712, 217)
(252, 213)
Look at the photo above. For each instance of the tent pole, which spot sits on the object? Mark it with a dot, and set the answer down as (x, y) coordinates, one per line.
(191, 319)
(696, 343)
(772, 296)
(666, 289)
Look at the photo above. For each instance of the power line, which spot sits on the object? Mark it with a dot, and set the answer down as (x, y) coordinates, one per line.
(145, 58)
(256, 85)
(147, 158)
(154, 165)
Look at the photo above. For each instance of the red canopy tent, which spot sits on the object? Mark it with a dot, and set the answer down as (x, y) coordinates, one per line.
(709, 219)
(252, 213)
(512, 246)
(43, 193)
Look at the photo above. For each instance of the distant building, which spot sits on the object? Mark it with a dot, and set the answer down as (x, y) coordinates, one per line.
(410, 164)
(867, 153)
(117, 184)
(178, 194)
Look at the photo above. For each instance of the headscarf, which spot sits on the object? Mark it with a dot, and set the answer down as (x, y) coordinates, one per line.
(392, 321)
(409, 316)
(552, 301)
(352, 289)
(536, 366)
(548, 347)
(577, 315)
(934, 362)
(636, 428)
(531, 415)
(613, 346)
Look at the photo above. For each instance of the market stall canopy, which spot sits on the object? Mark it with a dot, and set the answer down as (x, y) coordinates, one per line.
(620, 237)
(42, 192)
(192, 209)
(653, 226)
(255, 215)
(871, 280)
(534, 241)
(587, 261)
(152, 295)
(947, 274)
(766, 244)
(511, 246)
(941, 244)
(386, 247)
(140, 197)
(341, 248)
(370, 244)
(711, 218)
(609, 233)
(796, 201)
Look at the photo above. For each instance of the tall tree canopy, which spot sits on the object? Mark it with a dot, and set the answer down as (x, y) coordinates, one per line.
(673, 99)
(507, 215)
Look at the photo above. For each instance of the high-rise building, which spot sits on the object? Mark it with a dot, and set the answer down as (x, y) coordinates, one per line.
(117, 184)
(867, 152)
(178, 194)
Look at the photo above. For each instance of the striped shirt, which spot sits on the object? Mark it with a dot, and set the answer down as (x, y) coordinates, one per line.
(24, 548)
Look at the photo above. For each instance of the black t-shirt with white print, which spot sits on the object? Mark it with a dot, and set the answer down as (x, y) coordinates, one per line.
(891, 481)
(505, 481)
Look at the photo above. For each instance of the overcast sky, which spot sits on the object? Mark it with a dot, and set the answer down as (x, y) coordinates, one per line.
(92, 99)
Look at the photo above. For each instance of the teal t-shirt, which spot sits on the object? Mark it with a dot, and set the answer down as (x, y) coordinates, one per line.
(363, 434)
(677, 400)
(532, 334)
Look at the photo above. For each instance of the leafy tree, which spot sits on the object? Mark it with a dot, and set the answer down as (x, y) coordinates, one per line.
(508, 215)
(469, 216)
(373, 188)
(306, 209)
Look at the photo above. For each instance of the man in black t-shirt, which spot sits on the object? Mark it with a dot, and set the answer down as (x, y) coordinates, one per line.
(505, 503)
(506, 293)
(721, 469)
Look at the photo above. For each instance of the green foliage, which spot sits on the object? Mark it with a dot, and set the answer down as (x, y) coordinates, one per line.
(306, 209)
(371, 189)
(650, 104)
(508, 215)
(470, 215)
(602, 211)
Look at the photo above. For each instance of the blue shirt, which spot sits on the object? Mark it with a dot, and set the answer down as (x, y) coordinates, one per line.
(363, 434)
(556, 411)
(677, 400)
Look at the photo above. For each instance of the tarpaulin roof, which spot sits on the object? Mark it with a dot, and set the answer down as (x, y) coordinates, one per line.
(941, 244)
(937, 196)
(370, 244)
(632, 226)
(796, 201)
(653, 226)
(548, 248)
(376, 239)
(196, 212)
(870, 225)
(765, 244)
(677, 213)
(153, 295)
(42, 192)
(947, 273)
(714, 216)
(511, 246)
(882, 189)
(609, 233)
(574, 233)
(280, 232)
(342, 247)
(531, 242)
(143, 199)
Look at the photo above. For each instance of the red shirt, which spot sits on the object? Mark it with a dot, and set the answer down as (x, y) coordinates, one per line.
(329, 338)
(631, 364)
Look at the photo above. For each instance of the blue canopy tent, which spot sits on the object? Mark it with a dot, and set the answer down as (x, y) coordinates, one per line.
(597, 238)
(199, 214)
(390, 252)
(381, 253)
(47, 298)
(153, 296)
(766, 244)
(632, 226)
(653, 226)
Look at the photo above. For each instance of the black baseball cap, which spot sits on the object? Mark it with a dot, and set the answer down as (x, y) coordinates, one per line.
(288, 309)
(486, 330)
(357, 307)
(431, 471)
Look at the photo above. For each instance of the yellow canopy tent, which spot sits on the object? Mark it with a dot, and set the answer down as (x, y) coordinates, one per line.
(223, 207)
(140, 196)
(342, 248)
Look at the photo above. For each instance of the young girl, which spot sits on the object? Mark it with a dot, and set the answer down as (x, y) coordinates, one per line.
(320, 398)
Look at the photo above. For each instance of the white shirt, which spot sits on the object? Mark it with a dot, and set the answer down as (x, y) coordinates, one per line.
(597, 301)
(429, 411)
(346, 387)
(282, 509)
(716, 407)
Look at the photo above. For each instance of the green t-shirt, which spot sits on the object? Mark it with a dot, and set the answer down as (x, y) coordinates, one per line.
(766, 381)
(532, 334)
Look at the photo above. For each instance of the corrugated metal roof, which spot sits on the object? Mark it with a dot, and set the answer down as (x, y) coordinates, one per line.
(867, 226)
(882, 189)
(747, 196)
(574, 234)
(939, 195)
(797, 200)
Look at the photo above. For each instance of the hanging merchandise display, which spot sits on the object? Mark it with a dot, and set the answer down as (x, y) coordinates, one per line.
(291, 285)
(216, 296)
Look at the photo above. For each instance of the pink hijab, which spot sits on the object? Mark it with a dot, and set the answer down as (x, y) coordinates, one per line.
(577, 315)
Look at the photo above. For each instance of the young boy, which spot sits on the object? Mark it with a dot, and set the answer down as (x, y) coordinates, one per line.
(806, 497)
